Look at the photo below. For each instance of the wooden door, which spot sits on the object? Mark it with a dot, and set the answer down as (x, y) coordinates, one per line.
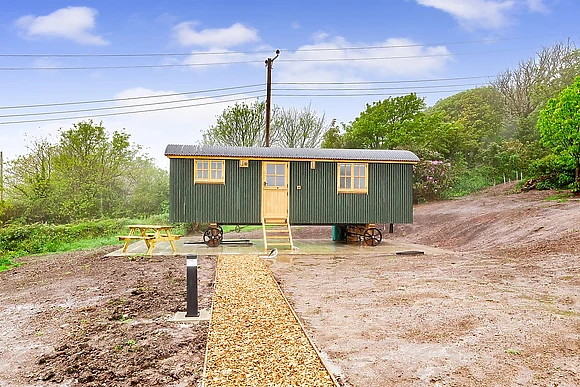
(274, 191)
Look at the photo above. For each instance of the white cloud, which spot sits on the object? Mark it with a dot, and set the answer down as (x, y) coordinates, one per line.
(72, 23)
(236, 34)
(485, 14)
(336, 59)
(537, 6)
(295, 25)
(319, 36)
(329, 60)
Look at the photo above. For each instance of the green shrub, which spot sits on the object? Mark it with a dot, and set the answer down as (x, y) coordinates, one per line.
(18, 240)
(469, 180)
(554, 172)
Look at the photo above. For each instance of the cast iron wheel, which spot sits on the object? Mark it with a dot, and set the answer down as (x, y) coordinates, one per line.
(213, 236)
(372, 236)
(220, 231)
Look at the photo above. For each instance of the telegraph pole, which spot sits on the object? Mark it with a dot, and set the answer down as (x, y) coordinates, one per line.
(269, 62)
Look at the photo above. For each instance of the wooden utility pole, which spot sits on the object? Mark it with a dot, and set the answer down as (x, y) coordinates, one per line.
(269, 62)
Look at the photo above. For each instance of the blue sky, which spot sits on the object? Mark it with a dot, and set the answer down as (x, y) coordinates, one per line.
(375, 48)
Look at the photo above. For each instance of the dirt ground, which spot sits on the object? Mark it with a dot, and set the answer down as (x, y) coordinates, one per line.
(501, 309)
(499, 306)
(82, 319)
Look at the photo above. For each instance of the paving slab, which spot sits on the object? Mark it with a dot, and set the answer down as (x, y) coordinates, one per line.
(303, 246)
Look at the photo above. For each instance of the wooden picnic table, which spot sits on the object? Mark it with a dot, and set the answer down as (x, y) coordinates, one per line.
(151, 234)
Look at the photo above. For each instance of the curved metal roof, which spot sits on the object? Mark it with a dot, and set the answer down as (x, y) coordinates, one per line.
(378, 155)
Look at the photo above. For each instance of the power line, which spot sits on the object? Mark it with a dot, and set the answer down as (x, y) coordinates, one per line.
(131, 98)
(377, 88)
(384, 82)
(123, 113)
(255, 61)
(222, 101)
(245, 92)
(368, 94)
(404, 81)
(129, 106)
(267, 51)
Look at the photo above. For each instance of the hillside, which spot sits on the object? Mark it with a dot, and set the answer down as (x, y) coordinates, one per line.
(498, 219)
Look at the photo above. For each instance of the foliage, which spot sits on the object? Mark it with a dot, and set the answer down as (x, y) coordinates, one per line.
(526, 88)
(333, 138)
(88, 173)
(386, 124)
(431, 179)
(298, 128)
(553, 172)
(245, 125)
(239, 125)
(475, 118)
(42, 238)
(559, 125)
(469, 180)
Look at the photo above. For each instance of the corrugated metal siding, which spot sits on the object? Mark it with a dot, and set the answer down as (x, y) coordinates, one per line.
(238, 201)
(389, 199)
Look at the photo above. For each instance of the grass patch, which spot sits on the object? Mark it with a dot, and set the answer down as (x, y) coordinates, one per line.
(239, 228)
(560, 197)
(31, 239)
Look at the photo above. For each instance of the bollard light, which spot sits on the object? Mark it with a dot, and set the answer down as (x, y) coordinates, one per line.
(192, 307)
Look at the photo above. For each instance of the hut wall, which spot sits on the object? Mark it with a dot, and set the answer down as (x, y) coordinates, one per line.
(389, 198)
(238, 201)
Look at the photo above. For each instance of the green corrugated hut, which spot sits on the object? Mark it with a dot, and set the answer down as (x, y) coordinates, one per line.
(279, 187)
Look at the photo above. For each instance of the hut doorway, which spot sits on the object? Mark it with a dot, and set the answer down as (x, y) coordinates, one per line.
(275, 191)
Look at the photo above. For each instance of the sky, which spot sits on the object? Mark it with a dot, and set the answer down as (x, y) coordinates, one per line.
(162, 71)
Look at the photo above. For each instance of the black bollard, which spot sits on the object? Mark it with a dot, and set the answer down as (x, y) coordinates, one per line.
(192, 309)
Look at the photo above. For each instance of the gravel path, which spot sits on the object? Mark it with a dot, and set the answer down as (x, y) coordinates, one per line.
(254, 338)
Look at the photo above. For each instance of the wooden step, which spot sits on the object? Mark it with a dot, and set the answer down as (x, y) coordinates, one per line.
(277, 232)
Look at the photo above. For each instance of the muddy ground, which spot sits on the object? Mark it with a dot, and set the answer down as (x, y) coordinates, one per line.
(499, 306)
(501, 309)
(83, 319)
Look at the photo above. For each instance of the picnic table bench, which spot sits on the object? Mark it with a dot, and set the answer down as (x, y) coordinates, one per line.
(151, 234)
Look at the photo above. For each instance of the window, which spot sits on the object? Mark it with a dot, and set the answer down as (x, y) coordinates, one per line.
(209, 171)
(275, 175)
(352, 178)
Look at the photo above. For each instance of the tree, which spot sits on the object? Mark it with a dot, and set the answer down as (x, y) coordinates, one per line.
(526, 89)
(239, 125)
(559, 126)
(245, 125)
(30, 182)
(88, 173)
(477, 116)
(334, 137)
(295, 128)
(89, 168)
(147, 188)
(386, 124)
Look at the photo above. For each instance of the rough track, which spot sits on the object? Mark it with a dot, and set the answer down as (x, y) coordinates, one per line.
(254, 338)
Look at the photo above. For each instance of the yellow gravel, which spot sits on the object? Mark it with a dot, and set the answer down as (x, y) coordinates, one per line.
(254, 339)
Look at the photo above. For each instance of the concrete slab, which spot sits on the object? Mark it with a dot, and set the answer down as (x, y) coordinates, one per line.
(179, 317)
(303, 246)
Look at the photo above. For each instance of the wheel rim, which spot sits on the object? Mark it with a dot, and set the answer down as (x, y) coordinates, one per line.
(372, 237)
(213, 236)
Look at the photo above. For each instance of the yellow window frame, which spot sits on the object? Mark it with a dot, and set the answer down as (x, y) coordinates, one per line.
(208, 171)
(352, 174)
